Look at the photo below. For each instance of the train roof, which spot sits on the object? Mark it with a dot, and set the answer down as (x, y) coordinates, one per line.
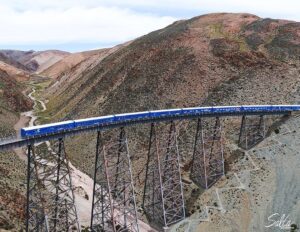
(93, 118)
(47, 125)
(283, 108)
(169, 110)
(134, 113)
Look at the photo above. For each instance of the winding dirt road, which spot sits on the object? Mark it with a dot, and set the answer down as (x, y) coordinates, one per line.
(26, 118)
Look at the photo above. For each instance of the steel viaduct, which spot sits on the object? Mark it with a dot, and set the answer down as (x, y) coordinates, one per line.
(51, 204)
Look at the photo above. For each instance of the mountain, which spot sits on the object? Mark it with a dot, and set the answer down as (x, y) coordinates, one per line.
(18, 74)
(215, 59)
(34, 61)
(184, 63)
(74, 67)
(68, 62)
(5, 59)
(12, 99)
(12, 169)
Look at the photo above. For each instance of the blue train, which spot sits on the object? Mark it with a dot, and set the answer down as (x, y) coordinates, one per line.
(60, 127)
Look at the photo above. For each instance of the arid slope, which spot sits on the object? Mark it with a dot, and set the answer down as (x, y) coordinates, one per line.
(215, 59)
(184, 63)
(12, 169)
(34, 61)
(65, 65)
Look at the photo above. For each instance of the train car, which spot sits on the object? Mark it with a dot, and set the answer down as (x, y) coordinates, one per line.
(295, 108)
(132, 116)
(262, 108)
(278, 108)
(196, 111)
(47, 129)
(291, 107)
(151, 115)
(96, 121)
(165, 113)
(255, 108)
(227, 109)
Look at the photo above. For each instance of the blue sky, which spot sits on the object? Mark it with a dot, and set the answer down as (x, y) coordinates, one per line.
(77, 25)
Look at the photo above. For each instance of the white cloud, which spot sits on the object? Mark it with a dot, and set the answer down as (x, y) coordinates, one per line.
(114, 21)
(287, 9)
(106, 25)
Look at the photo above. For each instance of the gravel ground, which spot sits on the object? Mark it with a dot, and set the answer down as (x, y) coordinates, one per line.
(264, 181)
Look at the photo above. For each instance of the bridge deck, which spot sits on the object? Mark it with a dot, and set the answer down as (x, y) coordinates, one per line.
(218, 112)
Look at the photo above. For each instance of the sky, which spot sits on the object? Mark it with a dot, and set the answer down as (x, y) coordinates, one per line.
(78, 25)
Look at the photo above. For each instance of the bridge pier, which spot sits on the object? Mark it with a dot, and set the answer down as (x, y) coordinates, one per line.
(65, 213)
(163, 200)
(252, 131)
(114, 204)
(55, 191)
(36, 219)
(208, 160)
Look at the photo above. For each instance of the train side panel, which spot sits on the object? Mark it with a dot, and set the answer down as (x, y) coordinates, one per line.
(94, 121)
(47, 129)
(132, 116)
(165, 113)
(123, 118)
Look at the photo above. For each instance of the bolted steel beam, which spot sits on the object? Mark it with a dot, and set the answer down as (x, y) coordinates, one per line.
(64, 214)
(114, 204)
(252, 131)
(36, 219)
(55, 189)
(208, 159)
(163, 200)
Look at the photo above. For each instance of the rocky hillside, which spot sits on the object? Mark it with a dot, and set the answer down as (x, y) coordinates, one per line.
(12, 97)
(180, 65)
(65, 65)
(73, 69)
(12, 62)
(12, 169)
(14, 72)
(31, 60)
(215, 59)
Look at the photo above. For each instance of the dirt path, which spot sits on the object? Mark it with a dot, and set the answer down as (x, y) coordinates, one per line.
(26, 118)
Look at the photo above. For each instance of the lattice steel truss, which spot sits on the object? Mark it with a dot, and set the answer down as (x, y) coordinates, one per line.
(114, 204)
(36, 219)
(208, 159)
(252, 131)
(163, 200)
(56, 190)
